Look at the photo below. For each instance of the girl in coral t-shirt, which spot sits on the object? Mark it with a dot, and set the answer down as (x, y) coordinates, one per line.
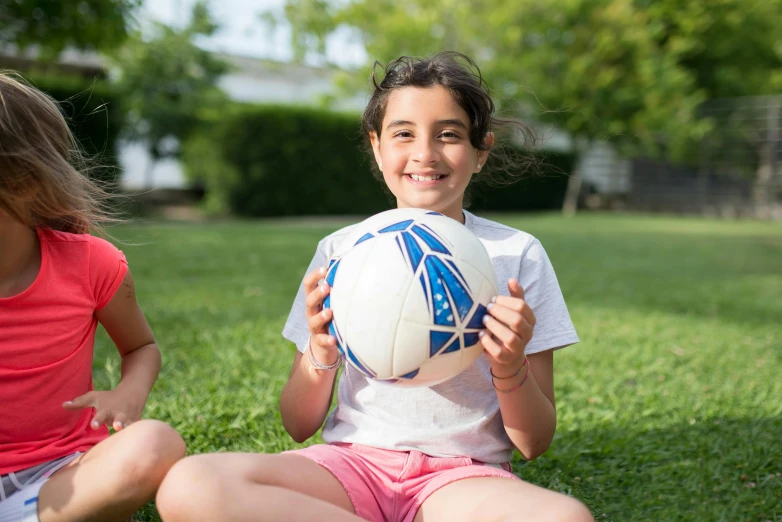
(57, 282)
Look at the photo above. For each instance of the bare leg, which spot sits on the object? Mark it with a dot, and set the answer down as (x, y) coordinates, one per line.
(490, 499)
(113, 479)
(244, 487)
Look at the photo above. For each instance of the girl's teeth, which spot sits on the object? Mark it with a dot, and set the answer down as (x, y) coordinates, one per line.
(425, 178)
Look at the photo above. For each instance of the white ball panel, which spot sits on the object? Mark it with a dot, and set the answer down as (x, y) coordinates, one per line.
(343, 290)
(488, 276)
(488, 290)
(411, 347)
(382, 283)
(469, 355)
(437, 370)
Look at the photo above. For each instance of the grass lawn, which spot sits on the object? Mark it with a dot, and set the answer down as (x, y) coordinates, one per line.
(670, 408)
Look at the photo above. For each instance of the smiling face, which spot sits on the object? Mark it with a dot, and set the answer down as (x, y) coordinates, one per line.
(424, 150)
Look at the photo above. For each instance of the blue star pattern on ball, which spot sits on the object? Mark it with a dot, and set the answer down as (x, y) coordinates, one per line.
(456, 317)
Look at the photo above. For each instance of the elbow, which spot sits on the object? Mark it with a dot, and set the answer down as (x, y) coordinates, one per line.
(300, 423)
(530, 454)
(292, 427)
(297, 430)
(297, 437)
(298, 433)
(155, 349)
(534, 449)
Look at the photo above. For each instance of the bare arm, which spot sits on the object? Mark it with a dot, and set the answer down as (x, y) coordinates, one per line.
(528, 409)
(128, 328)
(306, 397)
(529, 413)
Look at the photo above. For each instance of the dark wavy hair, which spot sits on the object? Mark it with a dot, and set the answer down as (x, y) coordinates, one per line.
(460, 75)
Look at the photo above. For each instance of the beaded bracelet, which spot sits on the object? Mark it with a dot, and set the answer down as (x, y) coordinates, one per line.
(519, 385)
(314, 362)
(510, 376)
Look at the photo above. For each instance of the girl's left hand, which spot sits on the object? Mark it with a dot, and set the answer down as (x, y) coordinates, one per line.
(118, 408)
(510, 322)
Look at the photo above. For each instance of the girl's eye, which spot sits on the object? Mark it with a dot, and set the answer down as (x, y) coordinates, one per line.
(449, 135)
(403, 134)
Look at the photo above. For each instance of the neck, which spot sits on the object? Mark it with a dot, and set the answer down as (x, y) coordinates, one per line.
(453, 211)
(456, 214)
(18, 249)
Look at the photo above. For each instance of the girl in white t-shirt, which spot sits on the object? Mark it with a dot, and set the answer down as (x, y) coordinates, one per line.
(410, 454)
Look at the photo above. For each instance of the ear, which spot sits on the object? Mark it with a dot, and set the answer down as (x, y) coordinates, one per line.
(483, 155)
(375, 141)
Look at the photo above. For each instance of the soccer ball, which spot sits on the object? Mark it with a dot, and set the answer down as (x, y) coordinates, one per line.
(409, 289)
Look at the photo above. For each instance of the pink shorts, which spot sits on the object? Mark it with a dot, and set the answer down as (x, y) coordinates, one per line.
(390, 486)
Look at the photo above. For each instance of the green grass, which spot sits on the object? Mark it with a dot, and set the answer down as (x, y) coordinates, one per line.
(670, 408)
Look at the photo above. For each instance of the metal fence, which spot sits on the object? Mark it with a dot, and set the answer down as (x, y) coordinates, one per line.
(738, 171)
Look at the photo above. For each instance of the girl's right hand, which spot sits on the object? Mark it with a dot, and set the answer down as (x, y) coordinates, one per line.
(323, 345)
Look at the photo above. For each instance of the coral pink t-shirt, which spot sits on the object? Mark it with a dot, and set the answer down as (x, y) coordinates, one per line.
(46, 347)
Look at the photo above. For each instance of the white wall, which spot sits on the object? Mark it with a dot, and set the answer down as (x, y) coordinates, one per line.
(251, 81)
(604, 169)
(135, 163)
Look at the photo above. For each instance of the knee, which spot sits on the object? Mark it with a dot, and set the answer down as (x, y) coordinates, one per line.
(152, 448)
(189, 489)
(568, 509)
(556, 508)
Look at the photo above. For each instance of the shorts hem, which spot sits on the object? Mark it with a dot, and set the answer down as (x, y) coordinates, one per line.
(350, 493)
(488, 473)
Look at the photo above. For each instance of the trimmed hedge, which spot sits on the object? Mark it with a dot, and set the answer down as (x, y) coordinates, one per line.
(282, 160)
(94, 113)
(278, 161)
(542, 189)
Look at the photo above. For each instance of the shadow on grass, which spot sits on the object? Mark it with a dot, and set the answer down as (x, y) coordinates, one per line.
(720, 469)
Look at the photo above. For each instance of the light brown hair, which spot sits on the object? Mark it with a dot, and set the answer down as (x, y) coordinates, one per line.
(41, 184)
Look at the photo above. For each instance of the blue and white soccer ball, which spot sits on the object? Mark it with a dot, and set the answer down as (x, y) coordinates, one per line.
(409, 289)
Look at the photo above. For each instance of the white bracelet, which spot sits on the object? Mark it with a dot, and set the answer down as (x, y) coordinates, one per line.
(314, 362)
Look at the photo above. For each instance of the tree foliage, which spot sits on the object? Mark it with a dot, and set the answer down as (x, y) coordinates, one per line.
(730, 47)
(168, 82)
(53, 25)
(632, 71)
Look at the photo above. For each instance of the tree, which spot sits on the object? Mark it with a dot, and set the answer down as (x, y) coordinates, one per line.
(733, 50)
(731, 47)
(168, 83)
(630, 71)
(53, 25)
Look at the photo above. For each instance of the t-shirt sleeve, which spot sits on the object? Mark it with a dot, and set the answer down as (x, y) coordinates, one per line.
(296, 329)
(108, 268)
(553, 327)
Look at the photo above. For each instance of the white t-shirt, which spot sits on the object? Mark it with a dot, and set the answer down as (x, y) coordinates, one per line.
(460, 417)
